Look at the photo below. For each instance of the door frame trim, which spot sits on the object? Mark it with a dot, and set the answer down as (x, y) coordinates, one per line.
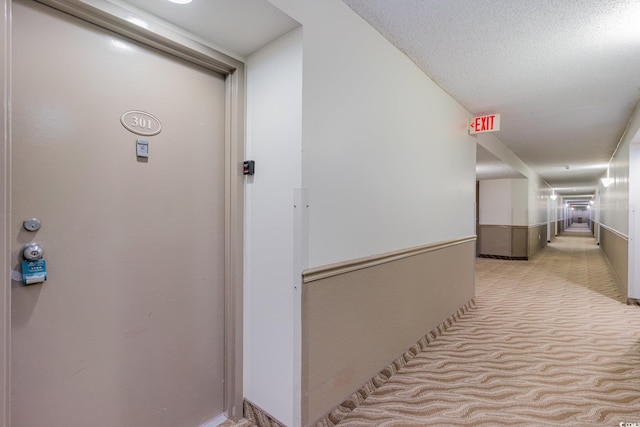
(114, 18)
(5, 197)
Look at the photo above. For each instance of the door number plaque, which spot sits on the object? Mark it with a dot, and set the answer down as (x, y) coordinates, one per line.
(141, 123)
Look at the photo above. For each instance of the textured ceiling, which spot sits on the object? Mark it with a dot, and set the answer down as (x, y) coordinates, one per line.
(563, 74)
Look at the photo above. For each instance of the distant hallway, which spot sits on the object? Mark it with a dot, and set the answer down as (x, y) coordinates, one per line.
(578, 229)
(551, 342)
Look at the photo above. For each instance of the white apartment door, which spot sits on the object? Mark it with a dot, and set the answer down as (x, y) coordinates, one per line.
(128, 329)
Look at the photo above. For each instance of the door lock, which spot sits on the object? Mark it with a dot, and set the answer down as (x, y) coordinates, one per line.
(32, 252)
(31, 224)
(33, 266)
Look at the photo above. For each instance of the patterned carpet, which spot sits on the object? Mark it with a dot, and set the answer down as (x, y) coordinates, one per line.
(240, 423)
(551, 342)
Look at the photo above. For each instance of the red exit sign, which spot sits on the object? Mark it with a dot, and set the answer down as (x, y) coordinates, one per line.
(482, 124)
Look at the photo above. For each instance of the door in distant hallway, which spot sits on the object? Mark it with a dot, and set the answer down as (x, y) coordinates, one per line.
(128, 330)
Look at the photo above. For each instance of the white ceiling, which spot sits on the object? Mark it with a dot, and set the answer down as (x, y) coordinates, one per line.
(239, 27)
(563, 74)
(489, 166)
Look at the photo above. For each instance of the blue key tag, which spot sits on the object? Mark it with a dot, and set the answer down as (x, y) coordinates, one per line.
(34, 272)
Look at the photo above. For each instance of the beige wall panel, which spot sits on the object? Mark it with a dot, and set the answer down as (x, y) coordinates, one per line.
(616, 248)
(511, 241)
(354, 324)
(519, 242)
(537, 239)
(494, 240)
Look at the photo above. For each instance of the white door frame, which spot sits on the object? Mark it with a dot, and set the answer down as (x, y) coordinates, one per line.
(114, 18)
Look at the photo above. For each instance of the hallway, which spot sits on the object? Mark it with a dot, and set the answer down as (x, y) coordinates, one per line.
(550, 342)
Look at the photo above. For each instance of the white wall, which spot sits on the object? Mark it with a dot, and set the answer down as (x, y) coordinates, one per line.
(634, 218)
(387, 159)
(520, 195)
(538, 194)
(538, 190)
(503, 202)
(387, 164)
(618, 202)
(495, 202)
(274, 132)
(614, 200)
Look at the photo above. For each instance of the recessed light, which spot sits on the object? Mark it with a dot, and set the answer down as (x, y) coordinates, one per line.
(180, 1)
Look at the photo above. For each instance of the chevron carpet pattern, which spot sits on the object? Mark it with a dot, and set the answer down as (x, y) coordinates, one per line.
(551, 342)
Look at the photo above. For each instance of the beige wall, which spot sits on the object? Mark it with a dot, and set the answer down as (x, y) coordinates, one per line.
(511, 241)
(503, 240)
(537, 239)
(519, 239)
(616, 249)
(357, 318)
(494, 240)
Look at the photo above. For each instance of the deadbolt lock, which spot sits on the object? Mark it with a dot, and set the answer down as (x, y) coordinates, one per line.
(31, 224)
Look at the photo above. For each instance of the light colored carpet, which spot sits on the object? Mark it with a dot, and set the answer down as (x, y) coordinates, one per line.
(551, 342)
(578, 229)
(240, 423)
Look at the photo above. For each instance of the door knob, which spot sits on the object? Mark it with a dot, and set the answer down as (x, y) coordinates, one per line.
(32, 252)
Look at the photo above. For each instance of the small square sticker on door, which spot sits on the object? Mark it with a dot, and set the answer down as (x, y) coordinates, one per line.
(142, 148)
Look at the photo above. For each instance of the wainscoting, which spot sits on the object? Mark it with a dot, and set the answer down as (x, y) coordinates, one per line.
(358, 317)
(517, 242)
(616, 248)
(537, 239)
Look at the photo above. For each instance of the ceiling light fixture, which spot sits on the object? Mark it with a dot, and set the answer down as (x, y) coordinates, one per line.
(553, 195)
(180, 1)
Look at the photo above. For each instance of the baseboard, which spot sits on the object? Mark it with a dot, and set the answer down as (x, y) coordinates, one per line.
(216, 421)
(508, 258)
(258, 416)
(340, 412)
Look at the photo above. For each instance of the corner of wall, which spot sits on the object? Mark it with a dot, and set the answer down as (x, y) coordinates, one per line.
(274, 141)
